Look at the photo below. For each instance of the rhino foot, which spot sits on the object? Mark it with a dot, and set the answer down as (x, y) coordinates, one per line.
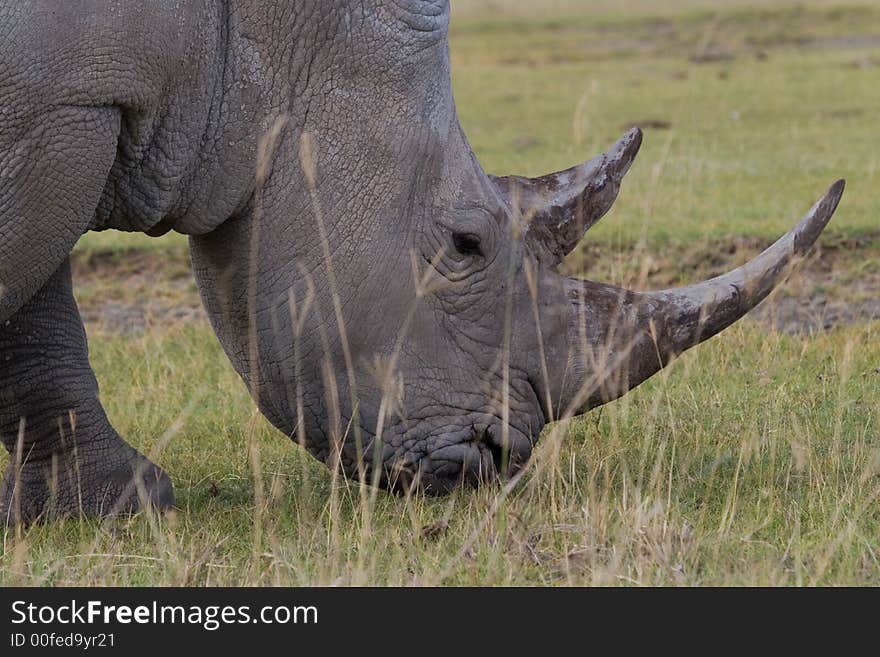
(112, 480)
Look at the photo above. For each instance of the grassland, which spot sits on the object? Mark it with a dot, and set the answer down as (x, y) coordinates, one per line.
(754, 459)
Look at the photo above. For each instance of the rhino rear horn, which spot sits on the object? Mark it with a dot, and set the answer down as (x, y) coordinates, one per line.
(557, 209)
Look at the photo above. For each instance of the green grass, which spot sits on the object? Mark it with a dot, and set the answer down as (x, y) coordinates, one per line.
(731, 467)
(754, 139)
(754, 459)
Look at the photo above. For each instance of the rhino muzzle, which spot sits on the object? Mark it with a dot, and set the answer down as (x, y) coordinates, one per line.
(480, 455)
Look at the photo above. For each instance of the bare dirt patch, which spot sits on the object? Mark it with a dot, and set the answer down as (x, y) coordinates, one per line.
(838, 283)
(700, 38)
(131, 291)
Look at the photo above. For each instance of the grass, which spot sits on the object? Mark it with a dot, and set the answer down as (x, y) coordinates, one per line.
(732, 467)
(754, 459)
(753, 138)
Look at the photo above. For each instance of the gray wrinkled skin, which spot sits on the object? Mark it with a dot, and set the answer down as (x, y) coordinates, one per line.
(389, 305)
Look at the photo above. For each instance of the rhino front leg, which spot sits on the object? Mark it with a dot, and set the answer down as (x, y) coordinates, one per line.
(65, 458)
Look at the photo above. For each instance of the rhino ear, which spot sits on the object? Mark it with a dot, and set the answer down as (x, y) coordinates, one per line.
(559, 208)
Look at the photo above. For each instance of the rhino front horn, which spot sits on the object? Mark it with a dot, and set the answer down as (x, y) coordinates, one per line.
(559, 208)
(618, 337)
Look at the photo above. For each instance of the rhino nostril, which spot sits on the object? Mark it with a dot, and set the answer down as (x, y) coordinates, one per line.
(489, 440)
(510, 452)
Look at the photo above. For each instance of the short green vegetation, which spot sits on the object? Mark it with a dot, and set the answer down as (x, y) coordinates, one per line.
(754, 459)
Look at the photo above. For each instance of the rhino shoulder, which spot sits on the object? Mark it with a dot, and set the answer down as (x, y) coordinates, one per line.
(100, 52)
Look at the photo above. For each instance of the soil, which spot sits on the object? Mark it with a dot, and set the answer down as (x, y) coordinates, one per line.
(838, 283)
(136, 290)
(835, 285)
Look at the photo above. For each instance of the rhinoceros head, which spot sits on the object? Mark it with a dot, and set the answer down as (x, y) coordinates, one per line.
(399, 311)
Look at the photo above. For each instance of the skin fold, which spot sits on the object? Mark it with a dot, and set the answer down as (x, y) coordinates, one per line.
(389, 305)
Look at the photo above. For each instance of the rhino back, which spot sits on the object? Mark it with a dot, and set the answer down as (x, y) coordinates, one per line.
(161, 64)
(92, 52)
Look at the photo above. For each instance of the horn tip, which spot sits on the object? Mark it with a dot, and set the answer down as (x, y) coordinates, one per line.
(832, 197)
(633, 137)
(814, 223)
(624, 152)
(635, 132)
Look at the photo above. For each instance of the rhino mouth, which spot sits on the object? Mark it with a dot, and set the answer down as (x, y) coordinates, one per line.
(480, 455)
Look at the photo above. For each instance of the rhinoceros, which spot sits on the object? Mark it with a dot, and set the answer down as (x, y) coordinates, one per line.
(389, 305)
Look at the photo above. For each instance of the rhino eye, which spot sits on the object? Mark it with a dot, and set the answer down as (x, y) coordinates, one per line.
(467, 244)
